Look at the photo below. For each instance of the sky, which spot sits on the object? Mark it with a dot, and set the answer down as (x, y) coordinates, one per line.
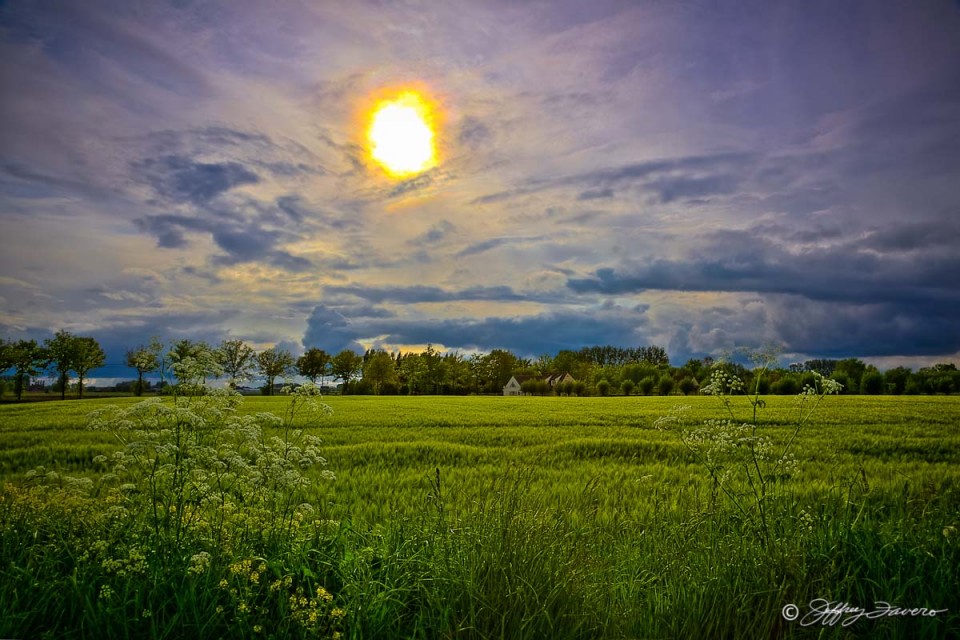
(696, 175)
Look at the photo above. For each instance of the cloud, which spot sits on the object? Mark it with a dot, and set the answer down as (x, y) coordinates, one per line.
(330, 331)
(526, 336)
(419, 294)
(183, 180)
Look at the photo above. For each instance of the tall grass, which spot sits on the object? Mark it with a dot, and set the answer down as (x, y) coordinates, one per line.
(502, 518)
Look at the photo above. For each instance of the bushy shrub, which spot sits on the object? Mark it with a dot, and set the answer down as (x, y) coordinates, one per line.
(665, 385)
(647, 385)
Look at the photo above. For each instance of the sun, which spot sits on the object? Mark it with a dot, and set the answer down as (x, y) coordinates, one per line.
(401, 135)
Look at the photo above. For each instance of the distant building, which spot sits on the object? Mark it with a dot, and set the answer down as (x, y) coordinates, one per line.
(513, 386)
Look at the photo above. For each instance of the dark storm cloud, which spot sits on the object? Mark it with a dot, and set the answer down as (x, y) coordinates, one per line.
(183, 180)
(890, 291)
(744, 262)
(525, 336)
(869, 330)
(329, 330)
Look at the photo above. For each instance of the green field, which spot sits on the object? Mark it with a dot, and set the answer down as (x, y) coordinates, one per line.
(541, 517)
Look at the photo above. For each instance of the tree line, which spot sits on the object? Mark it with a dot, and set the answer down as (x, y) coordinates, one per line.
(595, 370)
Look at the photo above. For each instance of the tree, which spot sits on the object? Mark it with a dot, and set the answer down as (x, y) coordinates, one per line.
(238, 360)
(87, 356)
(273, 363)
(412, 371)
(603, 387)
(379, 370)
(647, 385)
(144, 359)
(27, 358)
(687, 386)
(60, 357)
(896, 380)
(193, 362)
(344, 366)
(854, 368)
(501, 364)
(627, 387)
(665, 386)
(313, 364)
(871, 383)
(5, 363)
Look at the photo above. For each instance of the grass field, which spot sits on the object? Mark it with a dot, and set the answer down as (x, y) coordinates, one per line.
(537, 517)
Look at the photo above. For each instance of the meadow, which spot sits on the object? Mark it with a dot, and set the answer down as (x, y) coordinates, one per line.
(525, 517)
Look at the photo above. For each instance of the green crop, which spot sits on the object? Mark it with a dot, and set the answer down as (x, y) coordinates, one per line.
(527, 517)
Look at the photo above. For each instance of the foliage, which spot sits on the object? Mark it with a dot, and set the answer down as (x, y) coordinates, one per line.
(274, 363)
(60, 355)
(144, 359)
(313, 364)
(378, 370)
(26, 358)
(238, 361)
(344, 366)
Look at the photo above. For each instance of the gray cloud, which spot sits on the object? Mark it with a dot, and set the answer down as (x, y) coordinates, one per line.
(183, 180)
(526, 336)
(329, 330)
(419, 293)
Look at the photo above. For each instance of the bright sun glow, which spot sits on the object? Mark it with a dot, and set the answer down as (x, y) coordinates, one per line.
(400, 135)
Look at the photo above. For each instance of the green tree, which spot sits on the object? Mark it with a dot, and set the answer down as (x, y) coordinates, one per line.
(687, 386)
(274, 363)
(854, 368)
(412, 372)
(186, 356)
(238, 360)
(871, 383)
(314, 364)
(87, 356)
(665, 385)
(344, 366)
(27, 359)
(61, 353)
(379, 370)
(144, 359)
(627, 387)
(895, 380)
(603, 387)
(647, 384)
(500, 365)
(5, 364)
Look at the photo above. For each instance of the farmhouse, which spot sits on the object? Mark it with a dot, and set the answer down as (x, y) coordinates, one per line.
(512, 388)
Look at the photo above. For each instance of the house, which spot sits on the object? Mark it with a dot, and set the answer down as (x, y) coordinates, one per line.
(513, 386)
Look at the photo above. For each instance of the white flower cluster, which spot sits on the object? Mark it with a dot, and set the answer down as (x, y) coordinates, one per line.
(205, 470)
(723, 384)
